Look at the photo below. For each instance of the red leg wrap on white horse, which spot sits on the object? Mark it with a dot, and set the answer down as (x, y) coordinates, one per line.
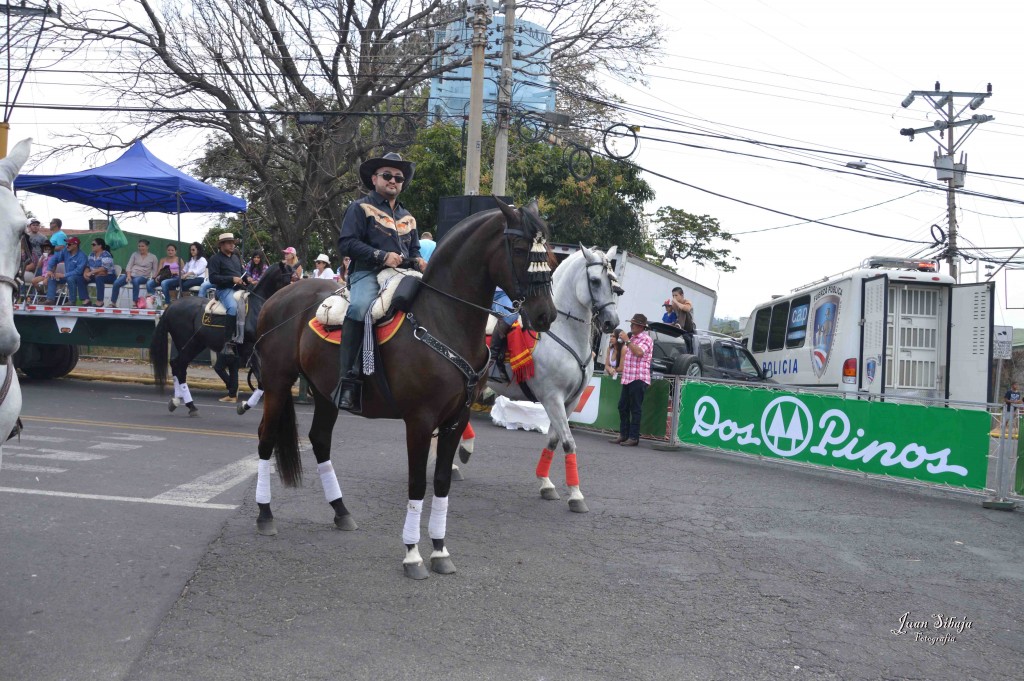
(468, 433)
(572, 476)
(544, 465)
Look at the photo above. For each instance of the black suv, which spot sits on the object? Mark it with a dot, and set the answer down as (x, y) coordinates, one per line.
(715, 355)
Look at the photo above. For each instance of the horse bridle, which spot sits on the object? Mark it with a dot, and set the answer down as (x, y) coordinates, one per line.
(596, 309)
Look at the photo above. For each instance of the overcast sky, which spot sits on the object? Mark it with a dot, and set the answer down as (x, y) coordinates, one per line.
(824, 76)
(831, 77)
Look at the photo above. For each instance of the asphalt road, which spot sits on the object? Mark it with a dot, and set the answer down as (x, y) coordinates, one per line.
(145, 564)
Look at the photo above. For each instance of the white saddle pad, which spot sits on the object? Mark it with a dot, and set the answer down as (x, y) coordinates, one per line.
(492, 322)
(215, 306)
(332, 311)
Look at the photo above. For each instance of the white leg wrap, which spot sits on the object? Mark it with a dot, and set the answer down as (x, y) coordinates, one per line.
(255, 398)
(411, 531)
(263, 482)
(412, 556)
(186, 394)
(332, 490)
(177, 387)
(438, 517)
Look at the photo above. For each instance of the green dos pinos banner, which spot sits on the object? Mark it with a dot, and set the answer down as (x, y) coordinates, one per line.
(932, 444)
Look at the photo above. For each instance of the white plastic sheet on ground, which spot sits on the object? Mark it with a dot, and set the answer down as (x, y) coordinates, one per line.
(519, 415)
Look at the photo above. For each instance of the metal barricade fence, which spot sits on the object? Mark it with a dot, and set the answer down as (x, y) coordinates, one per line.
(1002, 490)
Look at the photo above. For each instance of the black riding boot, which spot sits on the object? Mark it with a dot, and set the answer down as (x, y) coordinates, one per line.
(229, 336)
(346, 395)
(499, 346)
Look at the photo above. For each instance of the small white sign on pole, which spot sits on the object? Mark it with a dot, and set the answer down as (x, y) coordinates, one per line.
(1002, 346)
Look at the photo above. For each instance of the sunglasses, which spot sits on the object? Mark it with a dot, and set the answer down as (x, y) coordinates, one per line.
(388, 177)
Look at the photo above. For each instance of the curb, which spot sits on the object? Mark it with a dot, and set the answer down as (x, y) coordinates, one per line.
(200, 383)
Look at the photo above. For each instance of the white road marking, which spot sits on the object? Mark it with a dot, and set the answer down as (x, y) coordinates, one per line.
(105, 497)
(19, 448)
(131, 437)
(42, 438)
(74, 430)
(62, 455)
(208, 486)
(28, 468)
(116, 447)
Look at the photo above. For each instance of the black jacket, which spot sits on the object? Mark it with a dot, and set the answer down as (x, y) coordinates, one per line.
(223, 269)
(371, 230)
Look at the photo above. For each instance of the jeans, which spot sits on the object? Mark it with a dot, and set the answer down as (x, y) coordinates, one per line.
(203, 288)
(167, 284)
(75, 284)
(101, 281)
(502, 304)
(226, 296)
(631, 403)
(120, 282)
(362, 289)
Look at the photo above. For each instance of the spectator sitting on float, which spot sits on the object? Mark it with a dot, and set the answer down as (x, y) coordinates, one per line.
(323, 267)
(174, 267)
(43, 265)
(670, 316)
(142, 266)
(74, 265)
(99, 270)
(194, 273)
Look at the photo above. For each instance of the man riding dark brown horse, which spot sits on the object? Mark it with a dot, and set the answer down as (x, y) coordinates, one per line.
(377, 232)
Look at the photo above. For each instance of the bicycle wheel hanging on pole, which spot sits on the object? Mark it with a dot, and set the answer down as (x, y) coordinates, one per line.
(530, 129)
(580, 162)
(620, 135)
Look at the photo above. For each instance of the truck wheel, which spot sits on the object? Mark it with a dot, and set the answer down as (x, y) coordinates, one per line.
(687, 365)
(60, 360)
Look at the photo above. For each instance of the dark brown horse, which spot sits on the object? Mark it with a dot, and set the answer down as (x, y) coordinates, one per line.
(425, 388)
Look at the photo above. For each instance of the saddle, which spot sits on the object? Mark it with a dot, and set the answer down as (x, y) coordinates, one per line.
(398, 288)
(214, 313)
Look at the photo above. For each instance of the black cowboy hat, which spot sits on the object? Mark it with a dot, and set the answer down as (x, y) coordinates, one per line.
(392, 160)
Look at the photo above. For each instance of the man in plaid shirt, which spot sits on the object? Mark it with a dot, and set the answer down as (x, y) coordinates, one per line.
(636, 377)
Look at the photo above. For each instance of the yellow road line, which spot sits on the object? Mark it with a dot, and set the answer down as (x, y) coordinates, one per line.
(132, 426)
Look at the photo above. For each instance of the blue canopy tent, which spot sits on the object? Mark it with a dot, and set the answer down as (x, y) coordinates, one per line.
(137, 181)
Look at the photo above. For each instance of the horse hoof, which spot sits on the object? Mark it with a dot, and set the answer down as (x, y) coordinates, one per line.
(266, 527)
(549, 493)
(345, 522)
(171, 406)
(242, 408)
(442, 566)
(464, 454)
(416, 570)
(457, 475)
(193, 411)
(578, 506)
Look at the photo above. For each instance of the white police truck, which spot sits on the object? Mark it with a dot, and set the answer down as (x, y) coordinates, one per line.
(890, 326)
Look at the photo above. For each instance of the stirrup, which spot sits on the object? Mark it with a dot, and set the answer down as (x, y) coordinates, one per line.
(352, 389)
(229, 349)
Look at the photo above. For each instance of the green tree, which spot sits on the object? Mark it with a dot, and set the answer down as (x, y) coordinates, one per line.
(679, 235)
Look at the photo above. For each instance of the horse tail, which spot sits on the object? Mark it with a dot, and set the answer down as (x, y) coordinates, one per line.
(158, 353)
(285, 434)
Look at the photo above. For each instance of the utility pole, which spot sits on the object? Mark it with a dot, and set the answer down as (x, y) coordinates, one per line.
(504, 101)
(476, 97)
(10, 9)
(953, 173)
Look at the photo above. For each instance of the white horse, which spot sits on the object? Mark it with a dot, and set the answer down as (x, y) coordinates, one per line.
(585, 291)
(12, 230)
